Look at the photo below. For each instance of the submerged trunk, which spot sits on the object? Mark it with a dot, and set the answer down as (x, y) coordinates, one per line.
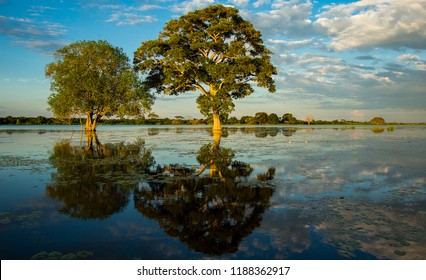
(91, 121)
(217, 126)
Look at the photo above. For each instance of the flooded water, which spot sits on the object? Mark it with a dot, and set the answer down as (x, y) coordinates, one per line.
(138, 192)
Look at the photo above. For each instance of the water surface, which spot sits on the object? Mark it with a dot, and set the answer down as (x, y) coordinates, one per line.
(141, 192)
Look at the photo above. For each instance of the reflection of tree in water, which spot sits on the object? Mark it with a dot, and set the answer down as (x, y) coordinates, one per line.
(289, 131)
(263, 132)
(95, 181)
(210, 213)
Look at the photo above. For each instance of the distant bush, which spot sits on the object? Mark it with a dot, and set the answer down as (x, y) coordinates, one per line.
(377, 120)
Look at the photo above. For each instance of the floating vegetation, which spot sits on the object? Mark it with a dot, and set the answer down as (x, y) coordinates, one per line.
(28, 220)
(55, 255)
(354, 224)
(5, 218)
(20, 161)
(70, 256)
(40, 256)
(84, 254)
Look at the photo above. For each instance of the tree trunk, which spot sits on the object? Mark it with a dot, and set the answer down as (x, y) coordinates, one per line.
(91, 122)
(217, 126)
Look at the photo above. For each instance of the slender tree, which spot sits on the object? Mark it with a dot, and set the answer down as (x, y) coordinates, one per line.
(95, 79)
(213, 50)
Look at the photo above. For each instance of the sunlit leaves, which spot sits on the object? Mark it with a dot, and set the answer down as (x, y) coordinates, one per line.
(96, 79)
(212, 50)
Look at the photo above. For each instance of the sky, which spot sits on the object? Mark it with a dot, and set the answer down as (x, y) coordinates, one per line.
(350, 60)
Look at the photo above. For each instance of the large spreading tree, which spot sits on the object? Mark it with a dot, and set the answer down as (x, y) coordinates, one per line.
(95, 79)
(213, 50)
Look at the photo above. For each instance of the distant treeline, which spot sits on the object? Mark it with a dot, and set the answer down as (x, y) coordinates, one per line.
(259, 119)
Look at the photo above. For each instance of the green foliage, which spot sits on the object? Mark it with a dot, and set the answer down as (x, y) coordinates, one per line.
(95, 79)
(55, 255)
(289, 119)
(261, 118)
(273, 119)
(232, 120)
(212, 50)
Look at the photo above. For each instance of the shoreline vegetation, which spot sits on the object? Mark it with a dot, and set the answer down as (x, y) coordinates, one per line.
(178, 120)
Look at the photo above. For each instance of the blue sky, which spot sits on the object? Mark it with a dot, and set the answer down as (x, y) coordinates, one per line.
(335, 59)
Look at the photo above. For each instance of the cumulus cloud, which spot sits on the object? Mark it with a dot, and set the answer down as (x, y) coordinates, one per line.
(289, 18)
(333, 83)
(412, 61)
(380, 23)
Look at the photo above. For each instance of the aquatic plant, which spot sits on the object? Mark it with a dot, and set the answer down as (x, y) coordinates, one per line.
(56, 255)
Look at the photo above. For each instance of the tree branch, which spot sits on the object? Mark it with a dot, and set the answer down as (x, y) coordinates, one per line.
(200, 87)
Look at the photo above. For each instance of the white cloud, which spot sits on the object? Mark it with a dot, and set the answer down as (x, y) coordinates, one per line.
(148, 7)
(4, 19)
(375, 77)
(127, 15)
(124, 18)
(290, 18)
(323, 60)
(240, 3)
(191, 5)
(408, 57)
(381, 23)
(294, 44)
(412, 61)
(259, 3)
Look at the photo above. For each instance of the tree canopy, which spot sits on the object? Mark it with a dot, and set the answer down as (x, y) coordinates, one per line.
(213, 50)
(95, 79)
